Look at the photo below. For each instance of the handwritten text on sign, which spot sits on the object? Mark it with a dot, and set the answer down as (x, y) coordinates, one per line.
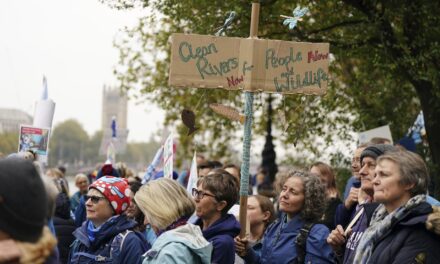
(249, 64)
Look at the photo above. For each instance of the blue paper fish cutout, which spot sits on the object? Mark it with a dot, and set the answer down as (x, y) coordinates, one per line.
(227, 23)
(298, 13)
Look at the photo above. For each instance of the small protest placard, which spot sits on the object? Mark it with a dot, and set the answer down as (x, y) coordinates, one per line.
(35, 139)
(382, 132)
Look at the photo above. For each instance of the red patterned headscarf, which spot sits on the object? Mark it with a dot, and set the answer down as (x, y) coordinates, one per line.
(116, 190)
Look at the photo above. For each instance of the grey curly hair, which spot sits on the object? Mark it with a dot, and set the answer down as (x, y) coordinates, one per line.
(314, 195)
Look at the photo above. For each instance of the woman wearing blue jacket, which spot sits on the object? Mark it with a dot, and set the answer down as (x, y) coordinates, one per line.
(107, 236)
(215, 194)
(301, 202)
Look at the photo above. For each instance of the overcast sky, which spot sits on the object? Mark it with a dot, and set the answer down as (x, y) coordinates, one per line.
(71, 42)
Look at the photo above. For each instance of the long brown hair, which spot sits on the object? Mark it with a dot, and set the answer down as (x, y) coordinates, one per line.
(266, 205)
(327, 171)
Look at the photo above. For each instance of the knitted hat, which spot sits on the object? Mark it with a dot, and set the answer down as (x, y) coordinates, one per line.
(116, 190)
(23, 200)
(107, 170)
(408, 143)
(377, 150)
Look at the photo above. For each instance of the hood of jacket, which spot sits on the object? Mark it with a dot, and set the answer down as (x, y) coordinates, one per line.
(191, 236)
(227, 225)
(108, 230)
(62, 206)
(433, 220)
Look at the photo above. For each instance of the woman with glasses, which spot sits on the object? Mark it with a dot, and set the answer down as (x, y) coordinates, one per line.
(301, 201)
(106, 236)
(215, 194)
(167, 207)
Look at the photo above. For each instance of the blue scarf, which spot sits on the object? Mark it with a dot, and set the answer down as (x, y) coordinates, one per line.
(92, 231)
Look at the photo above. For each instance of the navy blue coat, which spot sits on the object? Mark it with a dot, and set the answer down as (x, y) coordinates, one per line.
(133, 245)
(279, 244)
(64, 229)
(64, 226)
(408, 241)
(221, 235)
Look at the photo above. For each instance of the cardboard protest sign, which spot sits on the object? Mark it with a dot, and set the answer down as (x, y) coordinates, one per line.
(251, 64)
(168, 157)
(35, 139)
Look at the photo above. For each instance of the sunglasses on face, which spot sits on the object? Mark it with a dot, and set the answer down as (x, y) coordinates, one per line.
(200, 194)
(93, 198)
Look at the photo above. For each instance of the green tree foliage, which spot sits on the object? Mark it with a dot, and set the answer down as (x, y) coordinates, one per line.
(71, 145)
(8, 143)
(385, 68)
(67, 143)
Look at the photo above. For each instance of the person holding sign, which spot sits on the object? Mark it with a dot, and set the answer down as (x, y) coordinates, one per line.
(345, 241)
(215, 194)
(261, 213)
(294, 237)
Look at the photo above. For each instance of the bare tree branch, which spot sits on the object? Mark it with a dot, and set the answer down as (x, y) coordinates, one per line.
(337, 25)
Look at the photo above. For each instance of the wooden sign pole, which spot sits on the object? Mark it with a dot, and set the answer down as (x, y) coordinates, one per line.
(249, 99)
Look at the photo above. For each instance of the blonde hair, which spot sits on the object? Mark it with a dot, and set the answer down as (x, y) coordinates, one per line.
(164, 201)
(80, 176)
(38, 252)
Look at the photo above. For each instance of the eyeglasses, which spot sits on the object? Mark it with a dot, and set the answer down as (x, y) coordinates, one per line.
(93, 198)
(200, 194)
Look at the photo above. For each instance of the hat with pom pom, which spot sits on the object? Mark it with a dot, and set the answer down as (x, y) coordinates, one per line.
(116, 190)
(107, 170)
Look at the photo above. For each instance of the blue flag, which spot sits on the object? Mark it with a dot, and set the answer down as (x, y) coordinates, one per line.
(416, 130)
(113, 126)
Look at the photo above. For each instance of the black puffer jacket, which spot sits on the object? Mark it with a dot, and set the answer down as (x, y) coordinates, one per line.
(64, 226)
(408, 240)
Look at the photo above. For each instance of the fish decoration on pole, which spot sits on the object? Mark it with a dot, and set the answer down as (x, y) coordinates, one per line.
(189, 120)
(298, 13)
(227, 23)
(228, 112)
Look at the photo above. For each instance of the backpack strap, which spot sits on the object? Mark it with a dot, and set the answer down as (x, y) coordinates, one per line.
(118, 243)
(124, 235)
(301, 241)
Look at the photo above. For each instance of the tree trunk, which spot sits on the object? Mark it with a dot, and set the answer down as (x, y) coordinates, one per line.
(431, 112)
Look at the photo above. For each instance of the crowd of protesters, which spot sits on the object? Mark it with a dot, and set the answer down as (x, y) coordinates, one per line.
(385, 214)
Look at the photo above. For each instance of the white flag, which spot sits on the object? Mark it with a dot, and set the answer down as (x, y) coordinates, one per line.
(192, 180)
